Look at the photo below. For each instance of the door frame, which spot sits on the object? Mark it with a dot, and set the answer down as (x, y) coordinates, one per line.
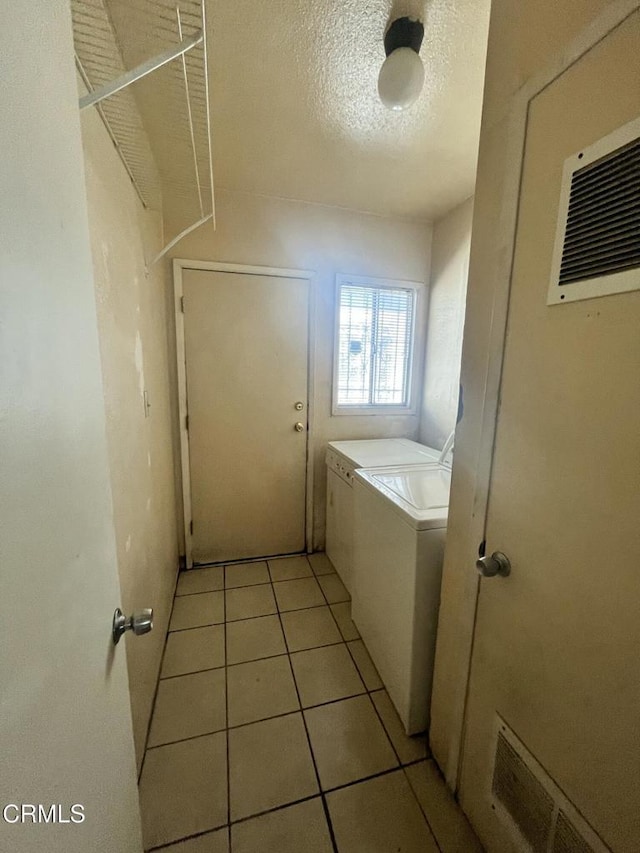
(180, 264)
(518, 113)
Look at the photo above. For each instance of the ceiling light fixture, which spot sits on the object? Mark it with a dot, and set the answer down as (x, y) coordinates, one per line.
(402, 74)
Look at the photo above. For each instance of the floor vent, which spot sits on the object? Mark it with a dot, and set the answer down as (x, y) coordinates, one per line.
(597, 249)
(536, 812)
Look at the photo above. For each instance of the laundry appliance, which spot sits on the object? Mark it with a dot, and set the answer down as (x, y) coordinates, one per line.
(400, 523)
(343, 458)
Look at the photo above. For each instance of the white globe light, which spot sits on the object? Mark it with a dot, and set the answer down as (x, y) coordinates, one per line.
(401, 78)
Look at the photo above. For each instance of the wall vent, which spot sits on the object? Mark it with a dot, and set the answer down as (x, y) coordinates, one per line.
(597, 248)
(537, 814)
(567, 838)
(524, 798)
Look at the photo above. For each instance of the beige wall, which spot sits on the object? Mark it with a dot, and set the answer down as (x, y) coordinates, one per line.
(132, 325)
(523, 39)
(328, 240)
(65, 724)
(447, 294)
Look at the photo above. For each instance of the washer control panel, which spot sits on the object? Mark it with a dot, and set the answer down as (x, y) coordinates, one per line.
(339, 466)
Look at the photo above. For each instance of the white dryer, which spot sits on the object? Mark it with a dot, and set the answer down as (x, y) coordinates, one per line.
(400, 522)
(343, 459)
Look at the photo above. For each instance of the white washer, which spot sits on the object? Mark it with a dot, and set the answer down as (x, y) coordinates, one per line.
(343, 458)
(400, 522)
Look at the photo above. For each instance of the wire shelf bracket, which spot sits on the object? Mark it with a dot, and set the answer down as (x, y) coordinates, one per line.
(167, 124)
(137, 73)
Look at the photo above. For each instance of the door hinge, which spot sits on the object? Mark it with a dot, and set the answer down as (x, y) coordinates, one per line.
(182, 304)
(191, 527)
(186, 422)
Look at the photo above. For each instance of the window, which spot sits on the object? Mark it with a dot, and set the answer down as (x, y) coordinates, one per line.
(374, 345)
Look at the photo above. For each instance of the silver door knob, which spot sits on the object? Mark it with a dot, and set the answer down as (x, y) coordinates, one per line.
(299, 406)
(497, 564)
(140, 623)
(299, 427)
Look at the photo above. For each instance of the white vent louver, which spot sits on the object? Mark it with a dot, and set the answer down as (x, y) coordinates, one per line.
(567, 839)
(538, 815)
(524, 798)
(597, 248)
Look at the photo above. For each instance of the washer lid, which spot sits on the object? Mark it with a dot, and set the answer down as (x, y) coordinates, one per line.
(375, 452)
(420, 493)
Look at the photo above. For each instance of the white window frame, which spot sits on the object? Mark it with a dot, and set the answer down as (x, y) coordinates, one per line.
(416, 348)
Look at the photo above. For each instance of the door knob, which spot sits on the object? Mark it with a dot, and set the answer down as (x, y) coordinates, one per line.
(140, 623)
(299, 406)
(299, 427)
(497, 564)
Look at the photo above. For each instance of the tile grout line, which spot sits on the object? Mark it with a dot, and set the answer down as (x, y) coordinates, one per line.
(246, 560)
(235, 823)
(424, 813)
(186, 837)
(378, 715)
(221, 589)
(194, 671)
(300, 710)
(312, 648)
(253, 562)
(286, 714)
(276, 809)
(185, 739)
(384, 728)
(366, 690)
(247, 618)
(369, 692)
(283, 806)
(226, 705)
(155, 693)
(325, 805)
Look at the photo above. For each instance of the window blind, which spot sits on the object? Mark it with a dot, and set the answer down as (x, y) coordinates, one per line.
(375, 328)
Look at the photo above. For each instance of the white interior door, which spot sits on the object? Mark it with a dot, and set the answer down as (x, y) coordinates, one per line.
(65, 720)
(246, 344)
(557, 643)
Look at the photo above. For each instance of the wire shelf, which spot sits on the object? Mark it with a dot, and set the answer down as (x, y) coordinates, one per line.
(161, 124)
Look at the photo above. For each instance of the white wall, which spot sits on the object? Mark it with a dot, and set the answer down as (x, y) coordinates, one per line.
(447, 295)
(132, 327)
(328, 240)
(65, 732)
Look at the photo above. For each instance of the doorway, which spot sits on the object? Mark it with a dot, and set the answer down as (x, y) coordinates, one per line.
(243, 359)
(553, 693)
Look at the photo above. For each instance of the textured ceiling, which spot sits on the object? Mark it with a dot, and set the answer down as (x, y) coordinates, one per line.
(295, 110)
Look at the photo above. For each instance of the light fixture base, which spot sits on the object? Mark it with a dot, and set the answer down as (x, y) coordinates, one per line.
(404, 32)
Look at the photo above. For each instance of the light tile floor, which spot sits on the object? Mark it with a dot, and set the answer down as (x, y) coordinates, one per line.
(272, 732)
